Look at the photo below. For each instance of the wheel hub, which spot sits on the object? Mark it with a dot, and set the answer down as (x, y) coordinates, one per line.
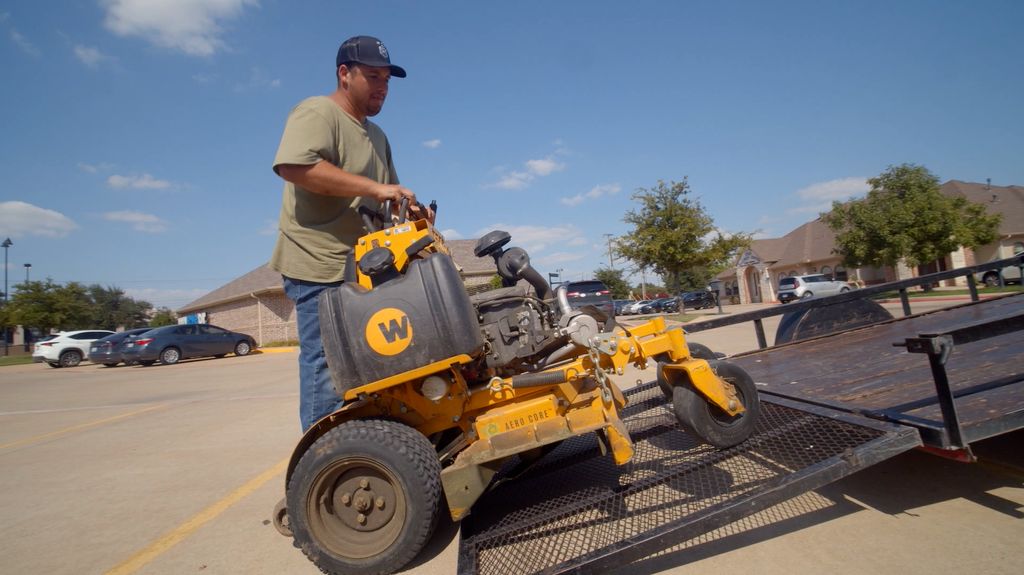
(363, 502)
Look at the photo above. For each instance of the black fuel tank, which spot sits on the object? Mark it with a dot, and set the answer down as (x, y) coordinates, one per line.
(408, 322)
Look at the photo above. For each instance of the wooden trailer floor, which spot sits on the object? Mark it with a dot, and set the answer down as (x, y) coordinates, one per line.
(860, 371)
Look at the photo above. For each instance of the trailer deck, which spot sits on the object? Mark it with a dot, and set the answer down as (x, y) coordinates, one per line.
(832, 405)
(862, 371)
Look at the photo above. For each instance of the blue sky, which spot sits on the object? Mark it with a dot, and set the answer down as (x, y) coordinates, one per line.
(138, 135)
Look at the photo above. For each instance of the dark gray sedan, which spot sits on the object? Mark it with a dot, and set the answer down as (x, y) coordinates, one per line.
(172, 343)
(107, 350)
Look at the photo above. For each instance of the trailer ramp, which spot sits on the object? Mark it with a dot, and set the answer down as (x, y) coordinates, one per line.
(575, 511)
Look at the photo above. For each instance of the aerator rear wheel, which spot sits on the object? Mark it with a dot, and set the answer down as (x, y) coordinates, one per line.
(697, 351)
(365, 497)
(707, 421)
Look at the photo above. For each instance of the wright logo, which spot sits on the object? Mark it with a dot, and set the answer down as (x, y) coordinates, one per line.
(389, 331)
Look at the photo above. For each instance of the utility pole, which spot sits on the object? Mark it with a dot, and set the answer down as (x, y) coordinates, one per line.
(6, 245)
(608, 237)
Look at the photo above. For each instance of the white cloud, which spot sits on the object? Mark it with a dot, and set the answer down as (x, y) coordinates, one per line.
(516, 180)
(190, 26)
(23, 219)
(544, 167)
(170, 298)
(818, 198)
(94, 168)
(558, 258)
(143, 182)
(140, 221)
(18, 38)
(535, 239)
(594, 193)
(432, 144)
(451, 234)
(89, 55)
(257, 79)
(270, 228)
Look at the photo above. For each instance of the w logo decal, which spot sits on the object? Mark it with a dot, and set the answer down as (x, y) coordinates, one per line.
(389, 331)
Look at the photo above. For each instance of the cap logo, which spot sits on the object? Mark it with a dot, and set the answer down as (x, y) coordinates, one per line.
(383, 51)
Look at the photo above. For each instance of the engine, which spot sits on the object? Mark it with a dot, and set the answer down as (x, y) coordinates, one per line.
(423, 315)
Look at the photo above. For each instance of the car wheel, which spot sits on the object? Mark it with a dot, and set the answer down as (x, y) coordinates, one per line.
(170, 356)
(807, 295)
(991, 279)
(242, 348)
(70, 358)
(844, 290)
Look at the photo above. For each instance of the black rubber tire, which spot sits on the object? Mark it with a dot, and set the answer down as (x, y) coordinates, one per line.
(170, 356)
(707, 421)
(70, 358)
(844, 290)
(807, 295)
(991, 279)
(697, 350)
(398, 464)
(242, 348)
(700, 351)
(53, 364)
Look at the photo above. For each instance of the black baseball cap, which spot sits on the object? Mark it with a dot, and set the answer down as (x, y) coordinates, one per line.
(368, 51)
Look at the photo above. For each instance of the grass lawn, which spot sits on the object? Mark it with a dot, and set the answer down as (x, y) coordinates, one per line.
(15, 360)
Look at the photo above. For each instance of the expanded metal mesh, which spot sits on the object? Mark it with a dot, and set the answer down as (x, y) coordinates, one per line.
(576, 503)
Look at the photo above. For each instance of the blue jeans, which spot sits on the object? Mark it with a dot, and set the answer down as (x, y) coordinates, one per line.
(317, 397)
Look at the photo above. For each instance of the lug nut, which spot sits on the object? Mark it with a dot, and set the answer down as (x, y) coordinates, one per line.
(361, 519)
(364, 484)
(346, 499)
(380, 503)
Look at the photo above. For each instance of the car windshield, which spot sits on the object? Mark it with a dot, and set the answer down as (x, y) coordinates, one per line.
(787, 283)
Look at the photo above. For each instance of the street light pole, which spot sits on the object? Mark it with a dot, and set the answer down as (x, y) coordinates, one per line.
(27, 267)
(6, 245)
(611, 264)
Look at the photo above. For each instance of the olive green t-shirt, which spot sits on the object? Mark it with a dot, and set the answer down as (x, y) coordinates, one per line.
(316, 232)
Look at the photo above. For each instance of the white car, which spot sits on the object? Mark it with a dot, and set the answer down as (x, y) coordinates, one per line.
(801, 287)
(67, 348)
(635, 308)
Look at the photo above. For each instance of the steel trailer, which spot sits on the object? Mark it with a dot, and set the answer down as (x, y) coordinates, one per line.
(832, 404)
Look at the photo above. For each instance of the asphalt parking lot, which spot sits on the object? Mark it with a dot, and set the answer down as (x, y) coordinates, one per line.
(170, 470)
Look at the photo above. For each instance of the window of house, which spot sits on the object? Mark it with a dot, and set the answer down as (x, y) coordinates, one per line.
(826, 270)
(1018, 247)
(841, 273)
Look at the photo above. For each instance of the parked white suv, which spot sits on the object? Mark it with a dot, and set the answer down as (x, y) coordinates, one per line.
(67, 348)
(800, 287)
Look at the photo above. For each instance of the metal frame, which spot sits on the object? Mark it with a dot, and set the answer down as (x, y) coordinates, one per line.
(901, 286)
(836, 444)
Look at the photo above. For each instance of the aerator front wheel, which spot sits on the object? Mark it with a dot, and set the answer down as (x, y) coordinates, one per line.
(707, 421)
(365, 497)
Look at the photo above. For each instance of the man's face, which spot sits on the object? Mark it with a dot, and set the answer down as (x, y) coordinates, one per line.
(368, 87)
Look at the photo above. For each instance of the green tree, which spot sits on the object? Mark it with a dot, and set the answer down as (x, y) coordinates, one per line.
(47, 305)
(614, 280)
(163, 316)
(112, 309)
(674, 236)
(905, 216)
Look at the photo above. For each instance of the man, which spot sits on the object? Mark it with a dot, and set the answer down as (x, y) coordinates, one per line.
(333, 159)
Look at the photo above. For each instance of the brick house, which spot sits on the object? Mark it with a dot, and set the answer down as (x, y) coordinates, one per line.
(255, 302)
(808, 250)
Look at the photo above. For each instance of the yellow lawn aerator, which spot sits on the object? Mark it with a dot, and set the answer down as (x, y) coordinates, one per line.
(441, 389)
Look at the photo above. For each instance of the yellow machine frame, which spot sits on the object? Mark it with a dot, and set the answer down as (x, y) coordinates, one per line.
(515, 415)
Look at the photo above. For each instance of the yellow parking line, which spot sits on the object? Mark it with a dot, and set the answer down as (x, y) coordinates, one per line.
(158, 547)
(74, 428)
